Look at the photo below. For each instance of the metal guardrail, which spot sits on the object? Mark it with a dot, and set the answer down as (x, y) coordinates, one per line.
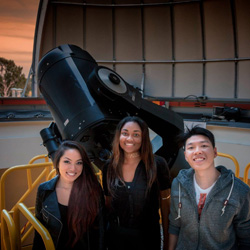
(98, 172)
(36, 224)
(8, 232)
(245, 178)
(11, 238)
(237, 168)
(31, 184)
(7, 224)
(39, 157)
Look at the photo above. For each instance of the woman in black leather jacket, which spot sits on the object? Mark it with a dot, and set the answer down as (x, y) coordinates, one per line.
(71, 205)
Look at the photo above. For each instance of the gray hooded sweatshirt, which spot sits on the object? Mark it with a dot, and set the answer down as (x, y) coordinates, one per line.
(225, 219)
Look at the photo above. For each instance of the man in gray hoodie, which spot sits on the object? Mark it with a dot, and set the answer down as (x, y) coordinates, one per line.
(210, 207)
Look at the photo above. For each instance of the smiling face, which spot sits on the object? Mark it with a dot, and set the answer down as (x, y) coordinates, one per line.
(131, 137)
(70, 165)
(199, 152)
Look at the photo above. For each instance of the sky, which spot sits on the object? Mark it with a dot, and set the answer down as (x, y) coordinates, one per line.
(17, 28)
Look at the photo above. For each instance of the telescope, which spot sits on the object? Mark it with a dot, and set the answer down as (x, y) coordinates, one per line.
(88, 100)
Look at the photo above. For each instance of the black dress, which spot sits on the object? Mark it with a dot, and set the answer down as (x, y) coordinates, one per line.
(89, 241)
(64, 236)
(134, 219)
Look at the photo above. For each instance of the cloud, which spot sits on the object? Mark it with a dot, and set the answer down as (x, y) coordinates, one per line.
(25, 10)
(17, 28)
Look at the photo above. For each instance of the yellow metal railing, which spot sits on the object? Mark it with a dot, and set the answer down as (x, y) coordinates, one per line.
(31, 185)
(27, 227)
(39, 157)
(237, 168)
(52, 174)
(245, 178)
(46, 169)
(36, 224)
(8, 232)
(98, 172)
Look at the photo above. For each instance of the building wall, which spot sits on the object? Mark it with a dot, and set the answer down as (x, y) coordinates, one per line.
(167, 49)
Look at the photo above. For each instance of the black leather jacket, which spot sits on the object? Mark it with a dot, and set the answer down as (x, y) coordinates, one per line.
(48, 213)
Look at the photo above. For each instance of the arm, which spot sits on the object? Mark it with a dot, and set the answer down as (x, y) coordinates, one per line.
(172, 241)
(174, 225)
(242, 224)
(163, 177)
(165, 209)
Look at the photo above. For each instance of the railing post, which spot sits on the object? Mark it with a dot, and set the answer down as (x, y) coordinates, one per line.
(245, 178)
(237, 168)
(16, 218)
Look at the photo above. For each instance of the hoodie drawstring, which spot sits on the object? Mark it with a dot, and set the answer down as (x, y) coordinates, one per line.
(228, 197)
(179, 204)
(225, 202)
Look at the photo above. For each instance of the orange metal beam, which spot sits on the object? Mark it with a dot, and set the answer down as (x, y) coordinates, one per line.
(22, 101)
(187, 104)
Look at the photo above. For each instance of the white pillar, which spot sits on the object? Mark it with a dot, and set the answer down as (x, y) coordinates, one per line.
(13, 92)
(19, 92)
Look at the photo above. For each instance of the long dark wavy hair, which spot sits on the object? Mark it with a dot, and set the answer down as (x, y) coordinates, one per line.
(85, 195)
(114, 173)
